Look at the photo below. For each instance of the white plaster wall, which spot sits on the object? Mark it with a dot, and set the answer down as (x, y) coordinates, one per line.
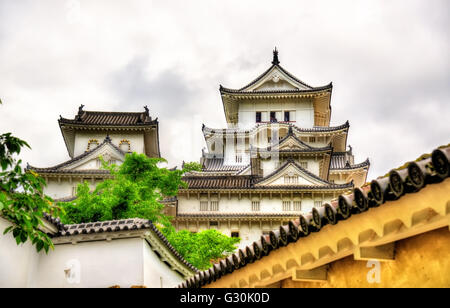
(160, 275)
(82, 140)
(234, 205)
(304, 112)
(15, 261)
(64, 188)
(102, 264)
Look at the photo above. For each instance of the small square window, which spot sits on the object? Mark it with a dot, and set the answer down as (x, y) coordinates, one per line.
(258, 117)
(234, 234)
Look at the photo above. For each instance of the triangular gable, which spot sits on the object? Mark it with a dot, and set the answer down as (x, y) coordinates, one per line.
(88, 161)
(296, 174)
(291, 142)
(276, 79)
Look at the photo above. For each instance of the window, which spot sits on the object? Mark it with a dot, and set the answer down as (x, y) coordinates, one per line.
(214, 205)
(255, 206)
(238, 158)
(297, 205)
(273, 117)
(125, 145)
(213, 223)
(286, 116)
(286, 205)
(203, 205)
(235, 234)
(258, 117)
(74, 191)
(304, 164)
(92, 144)
(312, 139)
(317, 203)
(291, 179)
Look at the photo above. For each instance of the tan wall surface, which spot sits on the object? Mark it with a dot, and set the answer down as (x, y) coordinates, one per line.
(420, 261)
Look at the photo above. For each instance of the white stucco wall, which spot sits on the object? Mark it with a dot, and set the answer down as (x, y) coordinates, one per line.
(303, 111)
(82, 140)
(158, 276)
(123, 262)
(101, 264)
(64, 188)
(15, 261)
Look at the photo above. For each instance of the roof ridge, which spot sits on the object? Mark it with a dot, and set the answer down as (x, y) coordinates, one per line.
(81, 156)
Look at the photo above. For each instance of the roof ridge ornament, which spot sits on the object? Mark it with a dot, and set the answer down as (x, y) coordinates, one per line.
(80, 112)
(275, 60)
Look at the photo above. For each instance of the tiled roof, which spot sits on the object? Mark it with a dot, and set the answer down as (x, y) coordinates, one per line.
(58, 168)
(276, 64)
(295, 128)
(110, 118)
(114, 226)
(221, 182)
(217, 165)
(247, 182)
(399, 182)
(340, 162)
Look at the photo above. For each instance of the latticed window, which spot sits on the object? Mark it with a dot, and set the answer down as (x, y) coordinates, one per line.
(256, 206)
(203, 205)
(297, 205)
(312, 139)
(286, 205)
(235, 234)
(317, 203)
(291, 179)
(304, 164)
(238, 158)
(214, 205)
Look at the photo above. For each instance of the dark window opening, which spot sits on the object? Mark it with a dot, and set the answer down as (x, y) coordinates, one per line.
(258, 117)
(273, 117)
(213, 223)
(286, 116)
(234, 234)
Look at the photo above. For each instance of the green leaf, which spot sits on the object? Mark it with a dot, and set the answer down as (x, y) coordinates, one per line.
(7, 230)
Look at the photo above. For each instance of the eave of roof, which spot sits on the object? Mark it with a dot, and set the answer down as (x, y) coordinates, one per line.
(315, 129)
(57, 168)
(260, 77)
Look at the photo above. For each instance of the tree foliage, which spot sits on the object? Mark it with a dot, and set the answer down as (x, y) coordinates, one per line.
(22, 201)
(136, 189)
(203, 248)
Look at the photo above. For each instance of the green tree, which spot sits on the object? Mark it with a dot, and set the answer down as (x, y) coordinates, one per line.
(136, 189)
(22, 201)
(203, 248)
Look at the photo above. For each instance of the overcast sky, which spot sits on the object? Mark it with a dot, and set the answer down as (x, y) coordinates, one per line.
(388, 61)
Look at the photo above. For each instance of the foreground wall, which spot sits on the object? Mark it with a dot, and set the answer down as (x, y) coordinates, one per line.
(15, 261)
(103, 263)
(420, 261)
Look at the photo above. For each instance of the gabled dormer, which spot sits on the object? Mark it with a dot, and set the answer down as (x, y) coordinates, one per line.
(291, 174)
(277, 96)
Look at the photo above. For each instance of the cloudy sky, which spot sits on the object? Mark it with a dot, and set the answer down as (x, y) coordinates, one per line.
(388, 61)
